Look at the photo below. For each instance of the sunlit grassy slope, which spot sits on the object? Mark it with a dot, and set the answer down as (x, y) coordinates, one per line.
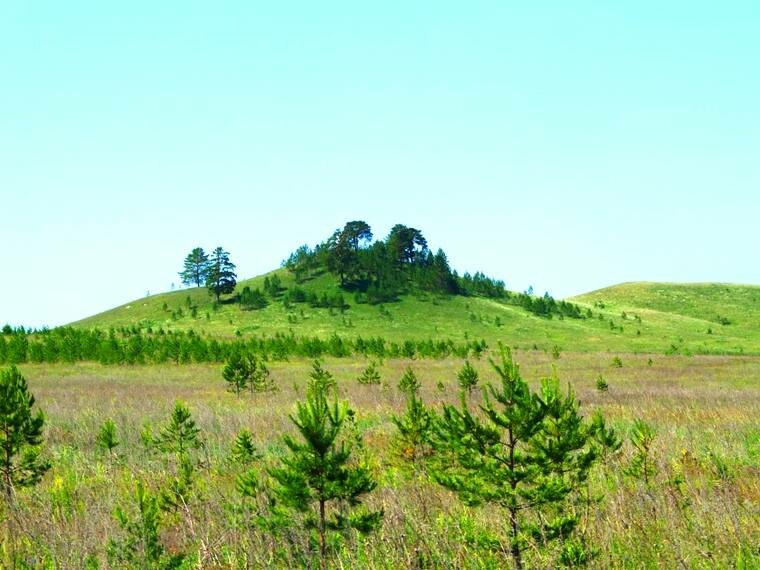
(658, 318)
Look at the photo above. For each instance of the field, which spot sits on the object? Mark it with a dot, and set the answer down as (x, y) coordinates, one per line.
(701, 511)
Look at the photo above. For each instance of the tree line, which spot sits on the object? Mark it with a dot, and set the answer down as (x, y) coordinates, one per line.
(131, 345)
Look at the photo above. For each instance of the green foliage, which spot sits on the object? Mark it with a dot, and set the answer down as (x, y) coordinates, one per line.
(107, 439)
(526, 452)
(180, 435)
(412, 442)
(642, 464)
(196, 269)
(370, 374)
(247, 371)
(468, 377)
(141, 546)
(409, 383)
(131, 345)
(20, 434)
(317, 478)
(221, 278)
(321, 378)
(252, 299)
(617, 362)
(601, 384)
(243, 450)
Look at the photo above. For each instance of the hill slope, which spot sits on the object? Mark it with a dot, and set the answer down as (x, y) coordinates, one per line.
(632, 317)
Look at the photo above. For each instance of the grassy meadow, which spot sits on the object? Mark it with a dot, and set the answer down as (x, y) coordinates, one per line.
(625, 318)
(701, 511)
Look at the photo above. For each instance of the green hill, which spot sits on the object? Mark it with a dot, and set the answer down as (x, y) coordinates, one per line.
(632, 317)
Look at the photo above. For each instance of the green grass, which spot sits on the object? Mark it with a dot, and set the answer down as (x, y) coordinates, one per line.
(701, 511)
(658, 318)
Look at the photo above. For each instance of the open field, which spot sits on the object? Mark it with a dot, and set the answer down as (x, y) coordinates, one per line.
(702, 511)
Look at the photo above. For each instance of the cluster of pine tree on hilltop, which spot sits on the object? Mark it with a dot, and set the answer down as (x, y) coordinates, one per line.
(374, 271)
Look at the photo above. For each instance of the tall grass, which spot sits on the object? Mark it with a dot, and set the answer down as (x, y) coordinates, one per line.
(702, 510)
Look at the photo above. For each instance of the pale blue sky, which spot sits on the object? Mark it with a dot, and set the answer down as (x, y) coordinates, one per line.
(567, 145)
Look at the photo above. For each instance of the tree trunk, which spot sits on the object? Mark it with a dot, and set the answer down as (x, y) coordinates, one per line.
(322, 541)
(515, 546)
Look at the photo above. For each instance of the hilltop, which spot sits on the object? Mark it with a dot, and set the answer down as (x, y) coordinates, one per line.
(398, 289)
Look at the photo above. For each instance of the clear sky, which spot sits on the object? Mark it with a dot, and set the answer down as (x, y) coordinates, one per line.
(564, 145)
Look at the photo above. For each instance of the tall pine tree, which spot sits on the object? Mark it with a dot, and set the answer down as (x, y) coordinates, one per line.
(221, 278)
(196, 268)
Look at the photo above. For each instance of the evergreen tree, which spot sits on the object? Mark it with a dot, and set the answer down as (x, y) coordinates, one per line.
(20, 434)
(526, 452)
(642, 465)
(409, 383)
(355, 233)
(468, 377)
(180, 434)
(221, 278)
(106, 438)
(243, 450)
(196, 268)
(412, 443)
(237, 372)
(321, 377)
(370, 375)
(252, 299)
(141, 545)
(317, 478)
(407, 245)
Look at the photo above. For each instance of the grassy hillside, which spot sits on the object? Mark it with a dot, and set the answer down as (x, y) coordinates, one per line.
(731, 313)
(658, 318)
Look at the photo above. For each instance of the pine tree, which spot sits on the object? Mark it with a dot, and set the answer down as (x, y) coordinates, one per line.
(106, 438)
(409, 383)
(527, 452)
(412, 443)
(468, 377)
(321, 377)
(370, 375)
(180, 435)
(237, 372)
(247, 371)
(196, 268)
(317, 478)
(642, 464)
(221, 278)
(243, 450)
(20, 434)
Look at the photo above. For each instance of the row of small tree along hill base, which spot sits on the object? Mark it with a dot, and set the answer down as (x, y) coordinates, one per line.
(528, 453)
(373, 271)
(131, 345)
